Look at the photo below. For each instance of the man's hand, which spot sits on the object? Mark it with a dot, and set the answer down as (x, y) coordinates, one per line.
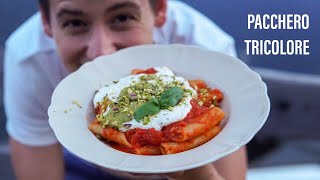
(175, 175)
(206, 172)
(231, 167)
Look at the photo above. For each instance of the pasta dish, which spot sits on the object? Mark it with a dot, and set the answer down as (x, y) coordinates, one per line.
(154, 112)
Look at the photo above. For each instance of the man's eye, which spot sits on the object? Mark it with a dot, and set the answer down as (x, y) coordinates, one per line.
(74, 24)
(122, 18)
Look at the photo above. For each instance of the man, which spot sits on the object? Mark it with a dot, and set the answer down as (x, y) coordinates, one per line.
(77, 31)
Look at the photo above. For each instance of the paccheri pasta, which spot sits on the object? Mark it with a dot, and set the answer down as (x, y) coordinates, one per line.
(153, 112)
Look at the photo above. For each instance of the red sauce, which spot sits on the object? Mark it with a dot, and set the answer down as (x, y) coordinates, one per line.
(120, 147)
(175, 129)
(142, 137)
(195, 111)
(148, 71)
(218, 93)
(151, 71)
(198, 84)
(98, 109)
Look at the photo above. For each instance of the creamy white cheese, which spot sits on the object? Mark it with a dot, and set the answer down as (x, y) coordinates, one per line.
(163, 71)
(161, 119)
(113, 91)
(164, 117)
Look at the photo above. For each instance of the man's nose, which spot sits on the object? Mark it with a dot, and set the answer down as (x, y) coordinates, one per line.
(100, 43)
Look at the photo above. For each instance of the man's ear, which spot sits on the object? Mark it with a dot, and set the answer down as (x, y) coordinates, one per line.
(160, 13)
(45, 22)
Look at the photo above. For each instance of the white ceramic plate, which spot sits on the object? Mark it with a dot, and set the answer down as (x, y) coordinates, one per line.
(246, 105)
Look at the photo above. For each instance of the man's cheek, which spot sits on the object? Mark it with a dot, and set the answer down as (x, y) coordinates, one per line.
(70, 58)
(137, 37)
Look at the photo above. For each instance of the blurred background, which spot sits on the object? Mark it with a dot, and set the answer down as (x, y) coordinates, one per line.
(288, 146)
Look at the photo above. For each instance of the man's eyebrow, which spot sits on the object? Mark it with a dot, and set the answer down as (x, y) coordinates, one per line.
(122, 5)
(73, 12)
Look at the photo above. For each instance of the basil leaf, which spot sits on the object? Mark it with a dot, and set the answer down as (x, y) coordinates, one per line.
(155, 100)
(171, 97)
(146, 109)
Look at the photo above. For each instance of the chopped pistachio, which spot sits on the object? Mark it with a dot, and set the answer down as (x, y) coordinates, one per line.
(203, 90)
(115, 123)
(215, 103)
(75, 102)
(130, 98)
(146, 120)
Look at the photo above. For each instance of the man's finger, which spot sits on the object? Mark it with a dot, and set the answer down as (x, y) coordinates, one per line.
(174, 174)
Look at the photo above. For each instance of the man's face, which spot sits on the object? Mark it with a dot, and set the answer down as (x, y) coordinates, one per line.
(85, 29)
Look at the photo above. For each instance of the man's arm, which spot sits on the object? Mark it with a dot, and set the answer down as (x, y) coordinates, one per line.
(233, 166)
(37, 163)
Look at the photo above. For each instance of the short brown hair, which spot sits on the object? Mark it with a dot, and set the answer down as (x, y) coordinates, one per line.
(45, 5)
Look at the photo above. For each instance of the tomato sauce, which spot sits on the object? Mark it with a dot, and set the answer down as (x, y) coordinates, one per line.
(142, 137)
(176, 128)
(98, 109)
(120, 147)
(148, 71)
(195, 111)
